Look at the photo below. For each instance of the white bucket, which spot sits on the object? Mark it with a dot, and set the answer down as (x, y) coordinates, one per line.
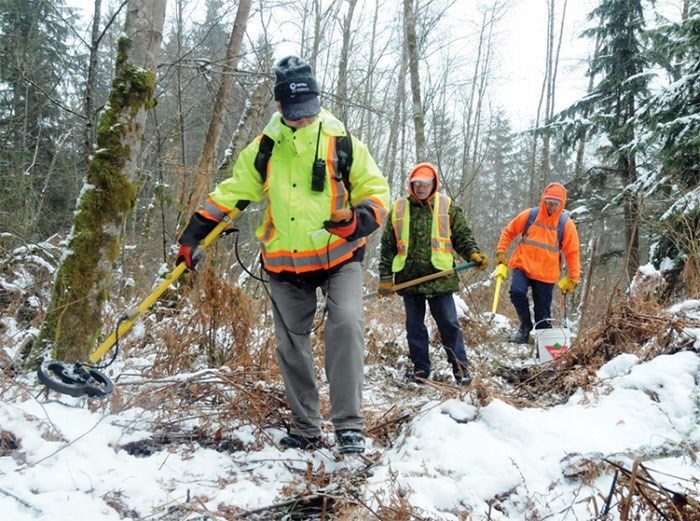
(552, 343)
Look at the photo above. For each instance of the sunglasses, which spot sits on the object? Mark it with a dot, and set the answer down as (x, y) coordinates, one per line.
(422, 183)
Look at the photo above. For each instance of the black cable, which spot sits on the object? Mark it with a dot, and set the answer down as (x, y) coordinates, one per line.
(115, 346)
(238, 258)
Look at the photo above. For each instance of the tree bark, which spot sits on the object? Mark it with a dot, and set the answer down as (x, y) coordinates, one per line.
(83, 281)
(248, 123)
(341, 92)
(412, 48)
(91, 80)
(223, 95)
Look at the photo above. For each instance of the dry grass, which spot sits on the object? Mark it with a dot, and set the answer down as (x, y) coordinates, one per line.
(637, 495)
(634, 325)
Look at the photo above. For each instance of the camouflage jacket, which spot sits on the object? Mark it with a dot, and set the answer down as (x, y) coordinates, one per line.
(419, 250)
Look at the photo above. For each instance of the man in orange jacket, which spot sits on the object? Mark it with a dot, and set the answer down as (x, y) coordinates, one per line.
(536, 261)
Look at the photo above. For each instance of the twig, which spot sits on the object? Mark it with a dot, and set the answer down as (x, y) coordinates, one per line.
(28, 466)
(606, 507)
(21, 501)
(632, 485)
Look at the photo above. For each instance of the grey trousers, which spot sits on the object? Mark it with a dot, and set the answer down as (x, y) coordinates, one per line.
(294, 309)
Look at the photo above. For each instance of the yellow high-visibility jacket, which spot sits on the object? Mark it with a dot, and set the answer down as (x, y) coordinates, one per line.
(292, 234)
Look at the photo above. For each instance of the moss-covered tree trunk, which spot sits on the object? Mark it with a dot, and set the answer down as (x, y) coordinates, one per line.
(83, 281)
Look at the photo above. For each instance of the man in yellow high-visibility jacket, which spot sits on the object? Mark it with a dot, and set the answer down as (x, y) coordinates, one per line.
(313, 236)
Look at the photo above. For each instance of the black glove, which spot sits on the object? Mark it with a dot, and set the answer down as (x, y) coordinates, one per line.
(196, 230)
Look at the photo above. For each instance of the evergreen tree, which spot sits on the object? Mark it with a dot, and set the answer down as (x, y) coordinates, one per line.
(39, 181)
(501, 189)
(672, 118)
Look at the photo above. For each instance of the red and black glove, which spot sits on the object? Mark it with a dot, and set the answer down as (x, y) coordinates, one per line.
(343, 223)
(197, 229)
(189, 255)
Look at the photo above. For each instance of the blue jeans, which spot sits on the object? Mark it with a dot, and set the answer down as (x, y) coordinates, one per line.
(443, 310)
(541, 299)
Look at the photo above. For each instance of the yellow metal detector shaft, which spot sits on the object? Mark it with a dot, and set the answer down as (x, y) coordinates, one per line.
(500, 274)
(171, 277)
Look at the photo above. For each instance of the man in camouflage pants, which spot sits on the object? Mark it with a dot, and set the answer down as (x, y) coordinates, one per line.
(426, 230)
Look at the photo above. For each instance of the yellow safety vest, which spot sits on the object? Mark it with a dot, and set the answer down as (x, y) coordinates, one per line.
(442, 255)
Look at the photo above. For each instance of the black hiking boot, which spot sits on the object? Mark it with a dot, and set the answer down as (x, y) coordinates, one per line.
(523, 335)
(297, 441)
(416, 376)
(462, 377)
(463, 380)
(350, 441)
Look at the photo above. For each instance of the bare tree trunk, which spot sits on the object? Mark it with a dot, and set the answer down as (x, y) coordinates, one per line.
(248, 123)
(551, 83)
(89, 105)
(471, 131)
(223, 96)
(365, 129)
(391, 170)
(545, 96)
(412, 48)
(83, 280)
(628, 165)
(178, 85)
(341, 92)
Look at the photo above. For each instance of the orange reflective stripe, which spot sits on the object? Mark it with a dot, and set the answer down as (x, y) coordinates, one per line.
(268, 228)
(400, 207)
(377, 208)
(440, 236)
(338, 251)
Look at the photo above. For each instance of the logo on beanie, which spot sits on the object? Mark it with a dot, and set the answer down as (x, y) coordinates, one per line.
(298, 87)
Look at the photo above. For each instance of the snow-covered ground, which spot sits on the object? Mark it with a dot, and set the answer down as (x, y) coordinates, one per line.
(455, 454)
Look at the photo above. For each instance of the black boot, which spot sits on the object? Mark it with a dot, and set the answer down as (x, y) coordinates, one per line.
(297, 441)
(462, 377)
(523, 336)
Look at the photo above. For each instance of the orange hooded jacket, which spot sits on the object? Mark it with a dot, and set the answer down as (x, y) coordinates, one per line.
(538, 256)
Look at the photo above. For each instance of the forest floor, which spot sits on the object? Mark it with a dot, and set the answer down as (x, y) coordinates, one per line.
(192, 430)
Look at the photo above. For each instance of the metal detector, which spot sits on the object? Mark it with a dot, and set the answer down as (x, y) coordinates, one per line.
(85, 379)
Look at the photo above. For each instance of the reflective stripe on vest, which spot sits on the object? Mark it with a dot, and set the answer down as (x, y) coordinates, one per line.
(337, 251)
(538, 244)
(441, 256)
